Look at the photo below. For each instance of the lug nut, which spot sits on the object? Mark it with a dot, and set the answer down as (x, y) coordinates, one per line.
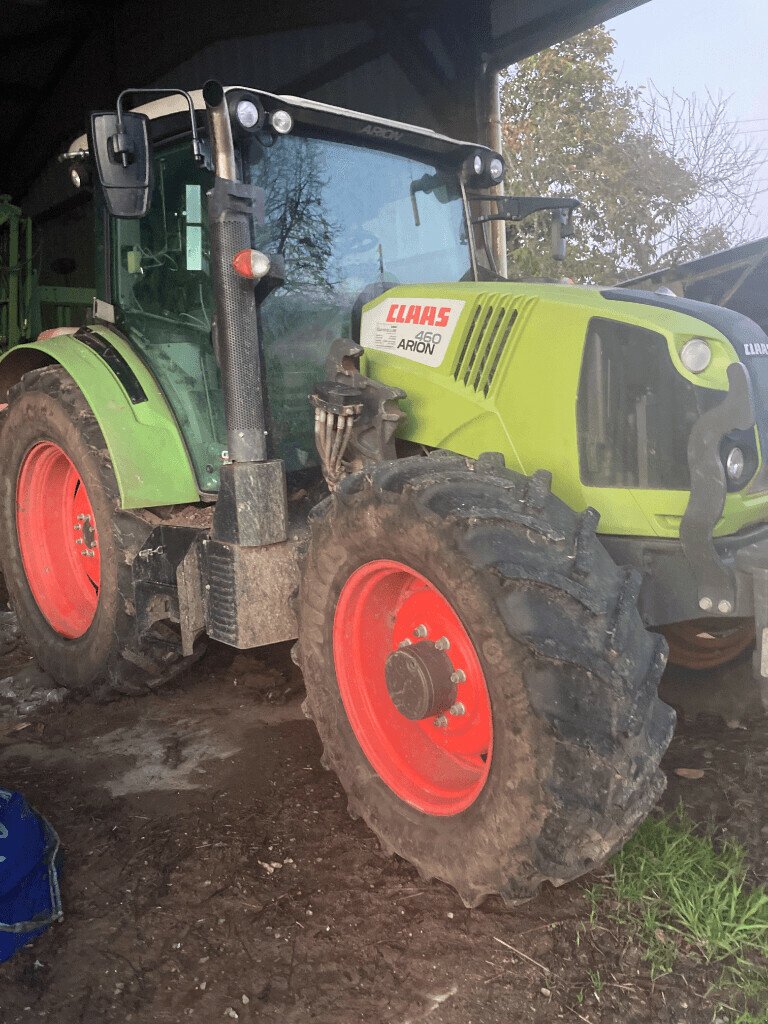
(705, 604)
(78, 540)
(458, 676)
(420, 631)
(405, 643)
(724, 607)
(78, 526)
(441, 721)
(458, 708)
(442, 644)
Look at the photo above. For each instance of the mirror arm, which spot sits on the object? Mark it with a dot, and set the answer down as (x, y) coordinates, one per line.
(196, 147)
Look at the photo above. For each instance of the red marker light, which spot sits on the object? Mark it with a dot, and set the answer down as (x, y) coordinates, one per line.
(251, 264)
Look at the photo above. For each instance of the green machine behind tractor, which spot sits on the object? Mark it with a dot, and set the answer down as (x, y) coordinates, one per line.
(26, 306)
(307, 407)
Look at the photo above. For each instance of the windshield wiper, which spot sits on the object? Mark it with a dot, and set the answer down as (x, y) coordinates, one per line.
(429, 184)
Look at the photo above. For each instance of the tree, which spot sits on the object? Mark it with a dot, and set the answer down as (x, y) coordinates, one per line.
(652, 189)
(702, 136)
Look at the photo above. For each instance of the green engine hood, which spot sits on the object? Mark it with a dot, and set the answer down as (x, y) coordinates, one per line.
(496, 367)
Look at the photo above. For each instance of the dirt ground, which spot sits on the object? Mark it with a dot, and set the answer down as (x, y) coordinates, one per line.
(212, 872)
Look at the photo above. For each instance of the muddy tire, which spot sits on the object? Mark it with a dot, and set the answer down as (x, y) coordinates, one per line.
(570, 672)
(59, 498)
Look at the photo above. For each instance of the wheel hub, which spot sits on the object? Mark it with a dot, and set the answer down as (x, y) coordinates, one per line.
(419, 680)
(402, 657)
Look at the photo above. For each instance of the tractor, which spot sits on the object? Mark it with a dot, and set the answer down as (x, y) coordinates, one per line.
(307, 408)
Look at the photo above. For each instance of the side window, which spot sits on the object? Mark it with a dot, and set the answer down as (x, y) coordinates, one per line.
(165, 302)
(635, 411)
(162, 259)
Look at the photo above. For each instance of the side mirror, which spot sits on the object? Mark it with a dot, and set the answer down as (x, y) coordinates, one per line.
(562, 230)
(120, 148)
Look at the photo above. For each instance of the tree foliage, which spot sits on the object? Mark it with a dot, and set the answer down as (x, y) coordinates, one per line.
(659, 179)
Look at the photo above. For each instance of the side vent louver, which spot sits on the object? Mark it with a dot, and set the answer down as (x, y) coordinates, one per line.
(489, 332)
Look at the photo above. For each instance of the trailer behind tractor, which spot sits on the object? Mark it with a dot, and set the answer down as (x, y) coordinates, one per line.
(307, 408)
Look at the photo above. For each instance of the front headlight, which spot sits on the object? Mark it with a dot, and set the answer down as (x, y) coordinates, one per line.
(734, 464)
(738, 452)
(696, 355)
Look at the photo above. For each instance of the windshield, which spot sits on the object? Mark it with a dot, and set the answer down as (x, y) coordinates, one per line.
(345, 217)
(350, 223)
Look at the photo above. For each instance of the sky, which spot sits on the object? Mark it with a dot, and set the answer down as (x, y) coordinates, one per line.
(693, 45)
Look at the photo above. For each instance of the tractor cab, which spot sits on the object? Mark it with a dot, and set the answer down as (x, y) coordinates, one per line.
(346, 205)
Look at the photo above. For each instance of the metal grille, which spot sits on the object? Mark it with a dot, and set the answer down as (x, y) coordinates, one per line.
(221, 610)
(485, 342)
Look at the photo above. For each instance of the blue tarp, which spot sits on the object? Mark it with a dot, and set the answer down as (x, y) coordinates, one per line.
(29, 889)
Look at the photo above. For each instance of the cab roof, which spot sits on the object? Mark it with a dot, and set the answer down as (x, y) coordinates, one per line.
(164, 113)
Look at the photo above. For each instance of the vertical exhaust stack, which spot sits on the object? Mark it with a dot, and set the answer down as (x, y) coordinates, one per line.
(229, 211)
(251, 510)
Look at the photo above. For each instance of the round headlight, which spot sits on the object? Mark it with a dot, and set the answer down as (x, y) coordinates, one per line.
(496, 168)
(74, 177)
(282, 122)
(247, 114)
(477, 164)
(695, 355)
(734, 464)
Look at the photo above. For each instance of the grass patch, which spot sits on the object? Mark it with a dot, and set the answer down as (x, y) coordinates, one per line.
(686, 897)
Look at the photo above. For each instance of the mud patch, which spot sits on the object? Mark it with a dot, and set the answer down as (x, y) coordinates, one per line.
(163, 759)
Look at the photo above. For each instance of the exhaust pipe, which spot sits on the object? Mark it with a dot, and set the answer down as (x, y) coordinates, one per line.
(220, 131)
(229, 211)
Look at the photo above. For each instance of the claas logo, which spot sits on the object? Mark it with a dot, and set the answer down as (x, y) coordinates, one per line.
(432, 316)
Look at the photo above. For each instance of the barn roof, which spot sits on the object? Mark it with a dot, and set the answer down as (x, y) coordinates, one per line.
(60, 60)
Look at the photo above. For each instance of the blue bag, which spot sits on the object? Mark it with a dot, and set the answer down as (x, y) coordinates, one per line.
(29, 886)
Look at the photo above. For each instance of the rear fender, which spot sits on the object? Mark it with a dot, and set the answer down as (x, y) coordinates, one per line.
(147, 450)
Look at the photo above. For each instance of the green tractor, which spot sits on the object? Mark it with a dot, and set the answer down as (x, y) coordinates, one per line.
(307, 407)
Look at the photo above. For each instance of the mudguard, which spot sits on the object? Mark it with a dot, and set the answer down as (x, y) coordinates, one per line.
(145, 444)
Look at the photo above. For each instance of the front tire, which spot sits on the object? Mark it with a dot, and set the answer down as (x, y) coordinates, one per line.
(67, 548)
(566, 764)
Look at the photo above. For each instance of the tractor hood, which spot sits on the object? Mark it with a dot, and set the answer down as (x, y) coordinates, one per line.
(586, 383)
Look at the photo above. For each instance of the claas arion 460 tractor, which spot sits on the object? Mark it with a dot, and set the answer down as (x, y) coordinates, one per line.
(306, 407)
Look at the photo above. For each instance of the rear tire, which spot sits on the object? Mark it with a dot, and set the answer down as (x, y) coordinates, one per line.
(704, 644)
(572, 675)
(79, 623)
